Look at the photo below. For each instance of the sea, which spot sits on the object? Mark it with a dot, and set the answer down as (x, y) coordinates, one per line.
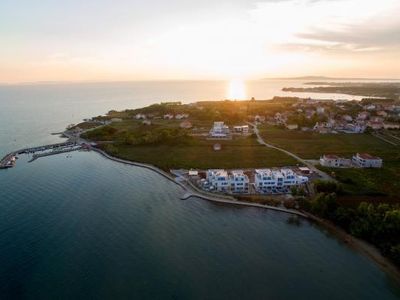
(79, 226)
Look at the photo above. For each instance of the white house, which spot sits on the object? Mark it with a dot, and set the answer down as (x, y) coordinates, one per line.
(363, 115)
(168, 116)
(146, 122)
(320, 110)
(347, 118)
(365, 160)
(260, 119)
(354, 128)
(239, 182)
(186, 124)
(292, 126)
(140, 116)
(193, 173)
(391, 126)
(376, 125)
(218, 179)
(334, 161)
(116, 120)
(181, 116)
(219, 130)
(243, 129)
(370, 107)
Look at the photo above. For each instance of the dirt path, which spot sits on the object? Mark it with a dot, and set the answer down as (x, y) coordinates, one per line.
(323, 175)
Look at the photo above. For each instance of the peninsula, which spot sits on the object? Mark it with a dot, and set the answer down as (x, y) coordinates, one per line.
(388, 90)
(339, 160)
(332, 161)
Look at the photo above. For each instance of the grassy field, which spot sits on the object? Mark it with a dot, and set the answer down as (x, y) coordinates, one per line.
(239, 153)
(310, 145)
(197, 152)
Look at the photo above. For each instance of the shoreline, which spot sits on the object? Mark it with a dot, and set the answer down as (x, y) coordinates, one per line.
(356, 244)
(192, 191)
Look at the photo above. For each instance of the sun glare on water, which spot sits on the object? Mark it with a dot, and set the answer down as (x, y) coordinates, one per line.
(237, 90)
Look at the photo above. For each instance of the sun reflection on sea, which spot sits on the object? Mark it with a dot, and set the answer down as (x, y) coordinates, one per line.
(236, 90)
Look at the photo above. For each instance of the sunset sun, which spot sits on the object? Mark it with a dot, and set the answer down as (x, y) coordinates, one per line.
(236, 90)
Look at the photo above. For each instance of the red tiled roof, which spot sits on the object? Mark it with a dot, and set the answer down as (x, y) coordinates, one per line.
(331, 156)
(367, 156)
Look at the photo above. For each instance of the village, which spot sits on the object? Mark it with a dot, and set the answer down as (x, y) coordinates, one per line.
(337, 116)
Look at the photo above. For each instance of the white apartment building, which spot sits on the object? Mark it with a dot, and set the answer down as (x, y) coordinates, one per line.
(219, 130)
(218, 179)
(239, 182)
(267, 178)
(365, 160)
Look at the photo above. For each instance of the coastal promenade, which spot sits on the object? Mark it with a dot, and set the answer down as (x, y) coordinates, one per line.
(192, 191)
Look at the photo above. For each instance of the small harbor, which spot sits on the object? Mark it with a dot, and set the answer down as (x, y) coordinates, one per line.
(9, 160)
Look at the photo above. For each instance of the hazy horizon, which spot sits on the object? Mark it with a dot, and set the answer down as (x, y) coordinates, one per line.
(201, 40)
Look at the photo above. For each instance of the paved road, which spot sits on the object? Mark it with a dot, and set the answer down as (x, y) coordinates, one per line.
(299, 159)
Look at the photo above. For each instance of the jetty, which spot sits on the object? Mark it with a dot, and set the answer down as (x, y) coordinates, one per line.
(56, 151)
(9, 160)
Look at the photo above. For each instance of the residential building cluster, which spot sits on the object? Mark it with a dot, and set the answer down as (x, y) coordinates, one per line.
(268, 179)
(258, 180)
(360, 160)
(325, 116)
(222, 131)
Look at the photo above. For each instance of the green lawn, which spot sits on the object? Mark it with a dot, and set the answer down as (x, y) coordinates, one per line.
(312, 145)
(240, 153)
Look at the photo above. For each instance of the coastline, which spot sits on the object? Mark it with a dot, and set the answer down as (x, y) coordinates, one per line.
(192, 191)
(361, 246)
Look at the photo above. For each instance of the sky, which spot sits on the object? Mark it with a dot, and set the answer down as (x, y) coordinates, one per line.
(76, 40)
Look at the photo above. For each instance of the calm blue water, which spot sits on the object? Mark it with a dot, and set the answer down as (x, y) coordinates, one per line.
(86, 227)
(29, 113)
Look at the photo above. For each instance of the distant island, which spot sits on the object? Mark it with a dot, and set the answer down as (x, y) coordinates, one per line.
(327, 78)
(389, 90)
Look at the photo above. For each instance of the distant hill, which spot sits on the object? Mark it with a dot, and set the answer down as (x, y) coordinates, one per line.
(325, 78)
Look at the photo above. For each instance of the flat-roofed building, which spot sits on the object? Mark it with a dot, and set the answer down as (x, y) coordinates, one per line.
(267, 178)
(219, 130)
(365, 160)
(243, 129)
(218, 179)
(239, 181)
(334, 161)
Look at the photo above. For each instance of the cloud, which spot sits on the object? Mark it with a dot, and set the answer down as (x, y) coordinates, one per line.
(340, 26)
